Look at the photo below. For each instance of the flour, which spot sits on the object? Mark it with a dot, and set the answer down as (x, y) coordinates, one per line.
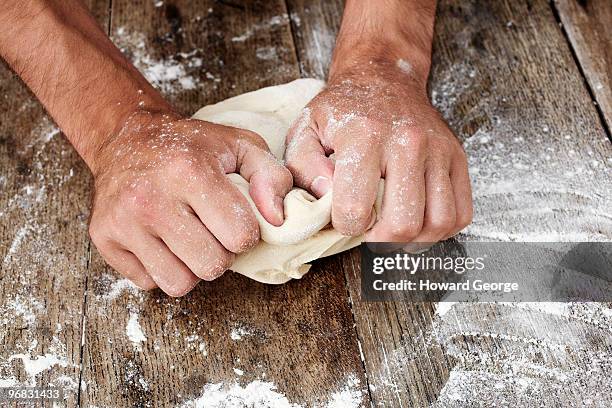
(257, 394)
(524, 188)
(272, 22)
(238, 332)
(351, 396)
(37, 364)
(263, 394)
(172, 74)
(21, 234)
(542, 350)
(118, 287)
(134, 331)
(404, 66)
(266, 53)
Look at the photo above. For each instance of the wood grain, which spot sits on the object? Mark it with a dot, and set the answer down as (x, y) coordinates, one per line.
(43, 242)
(315, 25)
(588, 25)
(299, 337)
(504, 78)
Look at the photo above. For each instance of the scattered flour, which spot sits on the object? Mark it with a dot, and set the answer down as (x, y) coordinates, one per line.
(171, 75)
(36, 365)
(272, 22)
(118, 287)
(404, 66)
(238, 332)
(257, 394)
(8, 382)
(134, 331)
(266, 53)
(351, 396)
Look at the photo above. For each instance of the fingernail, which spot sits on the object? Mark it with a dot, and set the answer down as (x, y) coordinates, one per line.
(320, 186)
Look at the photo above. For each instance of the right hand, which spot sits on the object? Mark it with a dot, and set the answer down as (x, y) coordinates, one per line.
(165, 215)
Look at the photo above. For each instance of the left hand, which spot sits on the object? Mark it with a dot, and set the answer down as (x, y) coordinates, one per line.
(379, 123)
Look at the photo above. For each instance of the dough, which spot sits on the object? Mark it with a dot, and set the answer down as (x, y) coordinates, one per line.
(283, 252)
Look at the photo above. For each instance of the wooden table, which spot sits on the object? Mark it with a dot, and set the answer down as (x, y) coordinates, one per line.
(525, 84)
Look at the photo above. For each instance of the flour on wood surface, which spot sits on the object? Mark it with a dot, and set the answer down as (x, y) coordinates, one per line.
(134, 331)
(525, 187)
(35, 247)
(274, 21)
(173, 74)
(541, 352)
(264, 394)
(257, 394)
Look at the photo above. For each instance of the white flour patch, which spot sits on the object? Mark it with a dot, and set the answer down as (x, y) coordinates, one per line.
(134, 331)
(266, 53)
(272, 22)
(21, 234)
(404, 66)
(171, 75)
(257, 394)
(351, 396)
(118, 287)
(65, 382)
(238, 333)
(36, 365)
(8, 382)
(22, 306)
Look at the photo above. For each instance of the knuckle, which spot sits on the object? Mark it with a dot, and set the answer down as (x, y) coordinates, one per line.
(245, 238)
(183, 164)
(254, 139)
(136, 197)
(352, 219)
(441, 223)
(405, 231)
(217, 266)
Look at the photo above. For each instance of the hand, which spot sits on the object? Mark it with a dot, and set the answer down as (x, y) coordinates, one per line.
(378, 122)
(164, 214)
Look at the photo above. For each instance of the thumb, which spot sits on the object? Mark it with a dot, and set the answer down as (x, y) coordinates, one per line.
(305, 158)
(269, 180)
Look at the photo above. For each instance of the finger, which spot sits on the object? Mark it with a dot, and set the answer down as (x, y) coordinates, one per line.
(119, 258)
(194, 245)
(462, 191)
(127, 264)
(356, 179)
(269, 180)
(440, 203)
(224, 211)
(403, 207)
(168, 272)
(305, 158)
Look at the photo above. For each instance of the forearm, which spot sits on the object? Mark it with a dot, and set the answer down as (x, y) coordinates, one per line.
(72, 67)
(386, 32)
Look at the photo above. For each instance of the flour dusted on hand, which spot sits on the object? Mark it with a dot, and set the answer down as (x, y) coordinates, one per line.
(283, 252)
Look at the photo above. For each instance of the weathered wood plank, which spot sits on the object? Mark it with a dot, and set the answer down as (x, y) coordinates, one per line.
(505, 79)
(588, 25)
(298, 337)
(43, 242)
(315, 25)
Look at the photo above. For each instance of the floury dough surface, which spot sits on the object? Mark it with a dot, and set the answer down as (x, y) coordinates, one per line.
(283, 252)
